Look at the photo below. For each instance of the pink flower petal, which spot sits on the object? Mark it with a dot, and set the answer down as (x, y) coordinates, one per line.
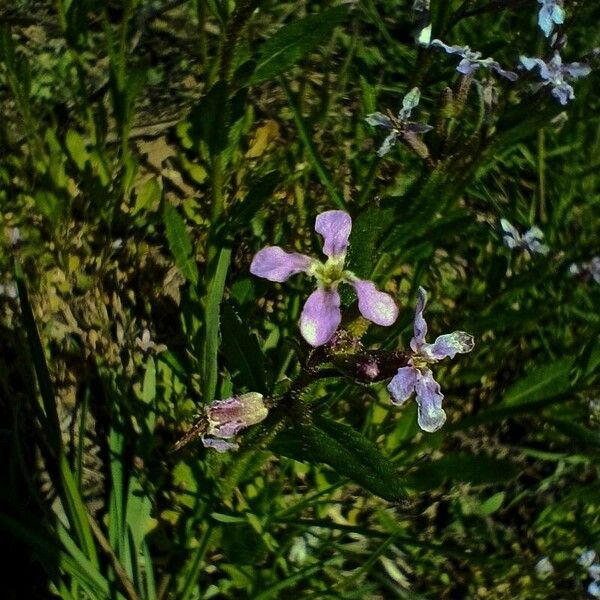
(402, 385)
(419, 325)
(335, 227)
(429, 398)
(275, 264)
(374, 305)
(320, 317)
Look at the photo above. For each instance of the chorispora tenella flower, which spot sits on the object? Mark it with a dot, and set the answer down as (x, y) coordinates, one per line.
(321, 314)
(417, 377)
(532, 240)
(557, 75)
(551, 13)
(401, 125)
(587, 270)
(471, 60)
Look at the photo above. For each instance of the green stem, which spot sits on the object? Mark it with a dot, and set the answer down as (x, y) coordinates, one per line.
(313, 155)
(541, 164)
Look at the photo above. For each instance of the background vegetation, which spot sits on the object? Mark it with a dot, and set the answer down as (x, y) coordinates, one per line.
(148, 150)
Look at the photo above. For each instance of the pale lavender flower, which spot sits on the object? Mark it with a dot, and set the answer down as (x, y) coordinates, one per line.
(557, 75)
(594, 589)
(594, 571)
(472, 61)
(551, 13)
(587, 558)
(417, 377)
(226, 418)
(400, 125)
(589, 269)
(531, 240)
(544, 568)
(321, 314)
(146, 344)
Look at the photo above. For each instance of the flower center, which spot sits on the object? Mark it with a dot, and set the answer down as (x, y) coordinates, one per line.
(420, 362)
(329, 274)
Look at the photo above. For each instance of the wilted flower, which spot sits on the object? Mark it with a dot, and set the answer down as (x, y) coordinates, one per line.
(587, 269)
(556, 74)
(417, 377)
(228, 417)
(531, 240)
(551, 13)
(321, 314)
(544, 568)
(471, 60)
(401, 125)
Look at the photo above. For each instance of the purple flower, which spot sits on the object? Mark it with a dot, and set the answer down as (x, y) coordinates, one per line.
(321, 314)
(417, 377)
(590, 269)
(556, 74)
(531, 240)
(226, 418)
(471, 60)
(551, 13)
(401, 125)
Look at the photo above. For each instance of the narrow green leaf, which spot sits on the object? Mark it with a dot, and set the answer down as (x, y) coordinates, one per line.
(544, 382)
(313, 154)
(242, 351)
(180, 244)
(294, 40)
(462, 468)
(493, 503)
(347, 451)
(149, 394)
(210, 118)
(77, 148)
(70, 495)
(212, 315)
(367, 230)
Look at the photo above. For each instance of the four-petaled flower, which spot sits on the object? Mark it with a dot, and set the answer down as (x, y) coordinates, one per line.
(417, 377)
(226, 418)
(471, 60)
(587, 269)
(556, 74)
(401, 125)
(551, 13)
(532, 239)
(321, 313)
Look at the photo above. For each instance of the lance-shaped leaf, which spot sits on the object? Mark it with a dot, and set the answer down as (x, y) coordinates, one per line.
(180, 244)
(242, 351)
(294, 40)
(346, 451)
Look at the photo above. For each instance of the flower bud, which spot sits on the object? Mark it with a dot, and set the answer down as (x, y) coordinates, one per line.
(227, 417)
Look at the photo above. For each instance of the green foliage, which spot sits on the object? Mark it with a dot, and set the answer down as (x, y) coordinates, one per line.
(149, 150)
